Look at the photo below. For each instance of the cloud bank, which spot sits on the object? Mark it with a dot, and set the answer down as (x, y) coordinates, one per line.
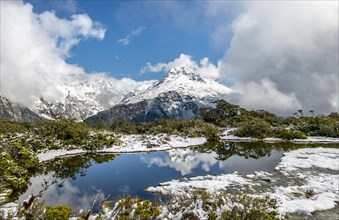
(284, 56)
(34, 48)
(204, 67)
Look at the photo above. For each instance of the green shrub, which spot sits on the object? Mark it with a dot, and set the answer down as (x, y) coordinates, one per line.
(211, 134)
(124, 127)
(66, 130)
(184, 127)
(269, 117)
(319, 126)
(222, 114)
(12, 176)
(291, 134)
(60, 212)
(8, 126)
(134, 208)
(224, 205)
(248, 207)
(16, 165)
(145, 210)
(254, 128)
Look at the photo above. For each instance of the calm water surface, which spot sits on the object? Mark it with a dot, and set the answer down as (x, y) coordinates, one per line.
(78, 178)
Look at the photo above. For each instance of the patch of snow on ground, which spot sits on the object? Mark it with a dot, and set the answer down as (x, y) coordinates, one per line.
(52, 154)
(316, 170)
(133, 144)
(318, 140)
(209, 183)
(326, 158)
(9, 209)
(161, 142)
(228, 136)
(318, 167)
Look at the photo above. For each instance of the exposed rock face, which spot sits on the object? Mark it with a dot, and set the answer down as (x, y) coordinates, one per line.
(185, 82)
(87, 95)
(167, 105)
(72, 107)
(12, 111)
(179, 95)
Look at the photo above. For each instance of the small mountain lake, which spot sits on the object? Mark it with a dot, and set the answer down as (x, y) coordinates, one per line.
(75, 181)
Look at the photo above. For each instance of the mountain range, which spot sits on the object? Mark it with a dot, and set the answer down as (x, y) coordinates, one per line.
(12, 111)
(179, 94)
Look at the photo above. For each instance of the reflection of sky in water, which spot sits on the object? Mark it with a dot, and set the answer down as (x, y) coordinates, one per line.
(69, 194)
(189, 162)
(132, 173)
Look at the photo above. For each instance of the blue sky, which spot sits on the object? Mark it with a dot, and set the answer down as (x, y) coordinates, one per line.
(162, 39)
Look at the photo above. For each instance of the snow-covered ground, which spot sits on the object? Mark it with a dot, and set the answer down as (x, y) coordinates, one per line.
(50, 155)
(228, 136)
(210, 183)
(133, 144)
(309, 182)
(162, 142)
(318, 168)
(317, 140)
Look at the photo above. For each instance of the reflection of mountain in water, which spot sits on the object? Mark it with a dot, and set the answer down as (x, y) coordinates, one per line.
(224, 158)
(119, 176)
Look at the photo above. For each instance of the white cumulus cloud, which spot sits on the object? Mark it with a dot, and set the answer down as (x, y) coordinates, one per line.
(264, 95)
(290, 45)
(67, 33)
(287, 53)
(34, 47)
(204, 67)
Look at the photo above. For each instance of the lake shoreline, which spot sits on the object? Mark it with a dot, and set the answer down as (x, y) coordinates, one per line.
(141, 144)
(154, 143)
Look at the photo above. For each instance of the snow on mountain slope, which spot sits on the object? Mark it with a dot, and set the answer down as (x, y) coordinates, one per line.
(12, 111)
(86, 95)
(185, 82)
(179, 95)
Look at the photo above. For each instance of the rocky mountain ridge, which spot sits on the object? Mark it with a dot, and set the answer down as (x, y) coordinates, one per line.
(86, 96)
(185, 82)
(179, 94)
(12, 111)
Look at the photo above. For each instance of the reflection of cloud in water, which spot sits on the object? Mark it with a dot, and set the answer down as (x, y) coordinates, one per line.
(183, 160)
(66, 195)
(243, 165)
(186, 160)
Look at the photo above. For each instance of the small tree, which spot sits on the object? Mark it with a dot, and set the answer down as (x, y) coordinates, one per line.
(311, 112)
(301, 113)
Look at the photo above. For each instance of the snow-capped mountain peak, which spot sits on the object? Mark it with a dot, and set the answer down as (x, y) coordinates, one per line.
(86, 95)
(185, 82)
(180, 93)
(183, 71)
